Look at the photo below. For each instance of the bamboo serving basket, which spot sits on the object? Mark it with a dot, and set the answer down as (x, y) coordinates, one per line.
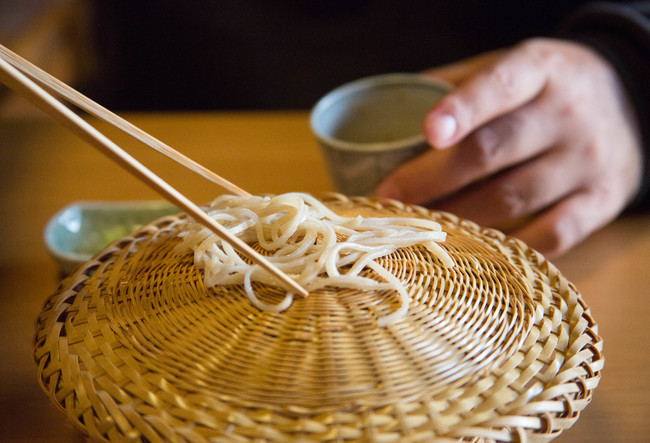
(500, 347)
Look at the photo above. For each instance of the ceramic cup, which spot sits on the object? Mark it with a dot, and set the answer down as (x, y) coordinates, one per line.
(370, 126)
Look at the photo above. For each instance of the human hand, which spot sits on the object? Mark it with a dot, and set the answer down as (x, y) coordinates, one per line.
(538, 140)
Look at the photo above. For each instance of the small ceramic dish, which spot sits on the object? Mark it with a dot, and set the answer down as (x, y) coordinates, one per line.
(80, 230)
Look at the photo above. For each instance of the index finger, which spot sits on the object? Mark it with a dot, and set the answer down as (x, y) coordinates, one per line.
(513, 80)
(457, 72)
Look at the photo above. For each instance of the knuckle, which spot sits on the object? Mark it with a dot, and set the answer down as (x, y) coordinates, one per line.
(609, 196)
(594, 152)
(504, 80)
(541, 50)
(572, 108)
(482, 148)
(512, 201)
(569, 110)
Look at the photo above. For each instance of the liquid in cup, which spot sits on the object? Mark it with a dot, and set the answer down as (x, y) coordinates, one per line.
(369, 127)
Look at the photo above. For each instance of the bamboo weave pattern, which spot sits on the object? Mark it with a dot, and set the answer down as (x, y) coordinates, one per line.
(501, 347)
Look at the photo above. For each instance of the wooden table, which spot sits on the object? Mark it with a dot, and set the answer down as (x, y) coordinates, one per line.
(43, 168)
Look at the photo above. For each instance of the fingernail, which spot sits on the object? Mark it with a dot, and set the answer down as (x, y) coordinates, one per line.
(388, 189)
(442, 129)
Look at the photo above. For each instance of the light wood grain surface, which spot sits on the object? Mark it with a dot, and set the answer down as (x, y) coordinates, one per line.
(43, 168)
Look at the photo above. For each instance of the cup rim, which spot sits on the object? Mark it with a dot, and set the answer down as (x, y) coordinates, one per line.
(336, 94)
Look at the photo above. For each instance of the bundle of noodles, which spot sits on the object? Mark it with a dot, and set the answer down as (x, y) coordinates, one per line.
(310, 243)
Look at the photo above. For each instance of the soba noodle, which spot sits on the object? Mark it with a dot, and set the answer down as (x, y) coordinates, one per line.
(310, 243)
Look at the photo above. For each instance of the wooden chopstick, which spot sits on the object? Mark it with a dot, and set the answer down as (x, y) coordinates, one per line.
(57, 87)
(23, 85)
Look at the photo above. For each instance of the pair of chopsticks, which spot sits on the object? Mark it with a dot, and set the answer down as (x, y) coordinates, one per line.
(39, 87)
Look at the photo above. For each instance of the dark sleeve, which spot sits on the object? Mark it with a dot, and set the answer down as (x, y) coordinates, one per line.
(621, 33)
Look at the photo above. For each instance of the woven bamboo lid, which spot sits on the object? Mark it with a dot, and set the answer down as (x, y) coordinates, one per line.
(500, 347)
